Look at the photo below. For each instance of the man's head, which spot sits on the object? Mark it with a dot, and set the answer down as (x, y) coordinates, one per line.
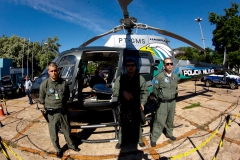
(53, 71)
(131, 66)
(168, 65)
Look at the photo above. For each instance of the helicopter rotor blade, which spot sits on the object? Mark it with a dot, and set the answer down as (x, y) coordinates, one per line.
(124, 4)
(173, 35)
(114, 30)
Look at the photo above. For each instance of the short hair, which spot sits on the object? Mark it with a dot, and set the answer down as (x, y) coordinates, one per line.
(166, 59)
(130, 60)
(52, 64)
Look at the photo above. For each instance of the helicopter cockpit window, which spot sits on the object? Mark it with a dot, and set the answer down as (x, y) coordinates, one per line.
(66, 72)
(66, 67)
(68, 60)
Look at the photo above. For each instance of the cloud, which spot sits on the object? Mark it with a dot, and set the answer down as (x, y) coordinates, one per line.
(85, 16)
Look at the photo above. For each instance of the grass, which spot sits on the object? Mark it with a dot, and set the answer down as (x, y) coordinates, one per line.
(192, 105)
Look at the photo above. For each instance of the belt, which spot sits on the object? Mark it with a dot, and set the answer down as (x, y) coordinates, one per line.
(53, 110)
(166, 100)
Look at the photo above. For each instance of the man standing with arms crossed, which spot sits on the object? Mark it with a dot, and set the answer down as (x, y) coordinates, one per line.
(165, 89)
(54, 94)
(132, 91)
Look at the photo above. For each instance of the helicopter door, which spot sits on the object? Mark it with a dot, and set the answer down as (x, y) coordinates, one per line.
(145, 63)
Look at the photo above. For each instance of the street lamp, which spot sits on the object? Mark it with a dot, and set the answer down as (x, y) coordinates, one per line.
(199, 20)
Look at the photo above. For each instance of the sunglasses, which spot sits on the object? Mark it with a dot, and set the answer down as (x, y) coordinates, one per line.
(130, 65)
(167, 64)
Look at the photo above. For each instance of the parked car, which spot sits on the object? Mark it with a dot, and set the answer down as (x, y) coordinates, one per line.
(7, 87)
(222, 78)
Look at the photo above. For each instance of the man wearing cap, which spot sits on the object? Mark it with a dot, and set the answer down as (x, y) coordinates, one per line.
(28, 85)
(54, 94)
(165, 89)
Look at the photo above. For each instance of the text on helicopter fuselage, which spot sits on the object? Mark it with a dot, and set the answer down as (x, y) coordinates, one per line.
(190, 72)
(132, 40)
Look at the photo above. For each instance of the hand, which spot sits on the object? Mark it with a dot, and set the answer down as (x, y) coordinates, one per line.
(127, 95)
(142, 107)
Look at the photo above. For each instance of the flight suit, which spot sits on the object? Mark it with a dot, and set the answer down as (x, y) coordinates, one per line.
(130, 109)
(165, 89)
(54, 95)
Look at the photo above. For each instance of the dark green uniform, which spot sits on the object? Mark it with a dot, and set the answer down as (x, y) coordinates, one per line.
(130, 109)
(165, 89)
(54, 95)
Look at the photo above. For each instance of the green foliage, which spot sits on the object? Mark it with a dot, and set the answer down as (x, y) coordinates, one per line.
(192, 105)
(18, 49)
(91, 67)
(227, 33)
(194, 54)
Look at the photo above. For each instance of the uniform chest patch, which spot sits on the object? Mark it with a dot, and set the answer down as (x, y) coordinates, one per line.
(166, 79)
(156, 81)
(51, 90)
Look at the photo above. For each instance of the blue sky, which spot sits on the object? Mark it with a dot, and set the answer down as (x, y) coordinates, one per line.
(75, 21)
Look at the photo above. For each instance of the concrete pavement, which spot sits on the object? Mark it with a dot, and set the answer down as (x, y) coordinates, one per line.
(26, 131)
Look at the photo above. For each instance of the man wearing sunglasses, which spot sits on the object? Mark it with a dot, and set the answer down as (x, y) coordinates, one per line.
(165, 90)
(54, 94)
(132, 91)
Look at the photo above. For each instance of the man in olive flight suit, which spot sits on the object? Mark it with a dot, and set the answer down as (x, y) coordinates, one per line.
(165, 90)
(54, 94)
(132, 91)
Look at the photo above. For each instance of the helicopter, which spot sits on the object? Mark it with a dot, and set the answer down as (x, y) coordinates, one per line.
(148, 51)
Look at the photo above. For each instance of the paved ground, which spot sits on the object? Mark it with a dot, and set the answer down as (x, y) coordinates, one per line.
(25, 131)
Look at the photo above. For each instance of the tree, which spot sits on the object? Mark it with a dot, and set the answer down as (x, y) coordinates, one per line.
(17, 48)
(91, 67)
(227, 33)
(191, 53)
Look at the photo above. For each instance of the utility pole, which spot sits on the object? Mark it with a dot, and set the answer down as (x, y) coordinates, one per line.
(28, 55)
(32, 60)
(23, 56)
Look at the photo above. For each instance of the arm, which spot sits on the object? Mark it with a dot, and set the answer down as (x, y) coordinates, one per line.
(42, 93)
(178, 80)
(117, 91)
(156, 87)
(116, 87)
(144, 91)
(66, 93)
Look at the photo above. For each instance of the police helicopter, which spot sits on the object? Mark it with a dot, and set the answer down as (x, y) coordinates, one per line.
(147, 50)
